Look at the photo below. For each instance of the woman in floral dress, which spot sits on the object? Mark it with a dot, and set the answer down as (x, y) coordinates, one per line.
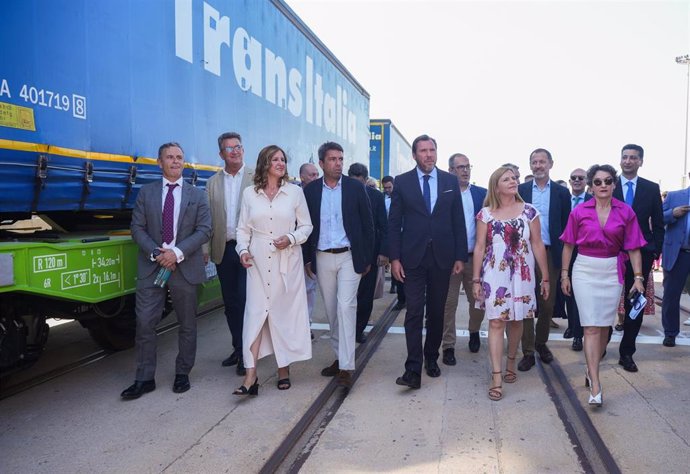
(508, 242)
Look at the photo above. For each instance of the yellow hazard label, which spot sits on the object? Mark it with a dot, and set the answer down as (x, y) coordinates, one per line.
(15, 116)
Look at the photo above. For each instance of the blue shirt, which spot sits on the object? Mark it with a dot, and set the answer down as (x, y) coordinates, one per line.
(332, 234)
(624, 186)
(541, 199)
(433, 185)
(577, 200)
(470, 224)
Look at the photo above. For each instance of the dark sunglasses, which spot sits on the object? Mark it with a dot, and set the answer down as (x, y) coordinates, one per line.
(577, 178)
(606, 181)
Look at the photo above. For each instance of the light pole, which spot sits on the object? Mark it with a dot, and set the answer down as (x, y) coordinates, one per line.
(685, 61)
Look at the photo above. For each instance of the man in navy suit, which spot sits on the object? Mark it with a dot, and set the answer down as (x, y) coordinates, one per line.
(339, 251)
(578, 184)
(427, 241)
(367, 286)
(645, 198)
(553, 203)
(472, 201)
(676, 260)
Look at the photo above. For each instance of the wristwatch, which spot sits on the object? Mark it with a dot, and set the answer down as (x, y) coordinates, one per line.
(156, 252)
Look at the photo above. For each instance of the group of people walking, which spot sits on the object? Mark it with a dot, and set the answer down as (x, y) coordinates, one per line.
(512, 246)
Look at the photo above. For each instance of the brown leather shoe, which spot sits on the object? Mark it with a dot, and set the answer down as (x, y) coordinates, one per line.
(344, 378)
(332, 370)
(526, 363)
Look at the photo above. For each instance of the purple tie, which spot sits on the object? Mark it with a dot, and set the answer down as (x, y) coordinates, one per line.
(169, 215)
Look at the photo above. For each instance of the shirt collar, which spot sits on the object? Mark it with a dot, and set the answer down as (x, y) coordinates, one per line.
(240, 172)
(420, 174)
(178, 182)
(624, 181)
(534, 185)
(340, 182)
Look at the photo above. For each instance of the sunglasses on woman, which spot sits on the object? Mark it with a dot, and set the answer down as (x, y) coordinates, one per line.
(606, 181)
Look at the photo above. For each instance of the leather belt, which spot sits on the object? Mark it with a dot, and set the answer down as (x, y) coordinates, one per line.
(340, 250)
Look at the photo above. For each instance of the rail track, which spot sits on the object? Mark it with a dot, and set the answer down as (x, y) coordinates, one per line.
(14, 389)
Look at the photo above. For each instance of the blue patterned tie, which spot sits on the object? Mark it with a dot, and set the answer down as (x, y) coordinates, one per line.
(629, 196)
(427, 193)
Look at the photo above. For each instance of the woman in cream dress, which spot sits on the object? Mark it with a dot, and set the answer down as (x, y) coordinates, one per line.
(274, 221)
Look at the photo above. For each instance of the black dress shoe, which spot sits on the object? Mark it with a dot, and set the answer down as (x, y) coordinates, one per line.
(628, 363)
(475, 343)
(361, 338)
(577, 344)
(449, 356)
(526, 363)
(410, 379)
(138, 389)
(669, 341)
(232, 360)
(181, 383)
(240, 368)
(544, 353)
(332, 370)
(432, 368)
(568, 334)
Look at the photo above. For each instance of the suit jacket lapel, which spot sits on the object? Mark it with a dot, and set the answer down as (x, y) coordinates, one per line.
(157, 204)
(554, 203)
(184, 202)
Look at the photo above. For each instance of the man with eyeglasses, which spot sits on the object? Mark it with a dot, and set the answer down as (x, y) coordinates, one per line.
(644, 197)
(676, 260)
(553, 203)
(225, 196)
(472, 200)
(578, 196)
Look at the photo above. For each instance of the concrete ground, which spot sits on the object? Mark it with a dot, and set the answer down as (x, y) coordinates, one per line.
(77, 423)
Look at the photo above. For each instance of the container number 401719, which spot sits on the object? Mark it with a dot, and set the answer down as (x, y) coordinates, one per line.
(55, 100)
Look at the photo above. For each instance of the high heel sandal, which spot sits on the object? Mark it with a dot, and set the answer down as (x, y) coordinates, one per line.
(284, 384)
(598, 399)
(253, 390)
(495, 393)
(510, 376)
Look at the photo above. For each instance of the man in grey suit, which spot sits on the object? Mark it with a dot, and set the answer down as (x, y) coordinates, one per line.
(170, 222)
(225, 196)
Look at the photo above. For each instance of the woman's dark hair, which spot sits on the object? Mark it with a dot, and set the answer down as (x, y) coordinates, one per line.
(605, 168)
(263, 163)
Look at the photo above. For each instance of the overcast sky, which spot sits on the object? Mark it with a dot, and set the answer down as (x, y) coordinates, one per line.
(495, 80)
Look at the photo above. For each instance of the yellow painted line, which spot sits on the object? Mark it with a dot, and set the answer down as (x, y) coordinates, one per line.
(90, 155)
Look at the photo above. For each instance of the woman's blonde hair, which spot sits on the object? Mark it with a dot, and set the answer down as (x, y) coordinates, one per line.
(263, 163)
(492, 200)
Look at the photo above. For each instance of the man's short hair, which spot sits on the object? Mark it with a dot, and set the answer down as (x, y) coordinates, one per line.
(162, 148)
(302, 167)
(542, 150)
(422, 138)
(451, 160)
(631, 146)
(358, 170)
(228, 136)
(387, 179)
(510, 165)
(328, 146)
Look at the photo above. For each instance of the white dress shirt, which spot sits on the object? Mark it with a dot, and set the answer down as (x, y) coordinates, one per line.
(233, 191)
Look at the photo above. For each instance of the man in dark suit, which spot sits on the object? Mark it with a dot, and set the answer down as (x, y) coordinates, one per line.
(553, 203)
(339, 251)
(472, 201)
(170, 222)
(578, 184)
(367, 285)
(676, 260)
(396, 286)
(427, 241)
(645, 198)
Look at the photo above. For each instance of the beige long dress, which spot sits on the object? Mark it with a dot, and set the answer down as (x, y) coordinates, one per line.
(276, 296)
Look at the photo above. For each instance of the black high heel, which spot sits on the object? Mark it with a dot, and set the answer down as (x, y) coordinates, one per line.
(253, 390)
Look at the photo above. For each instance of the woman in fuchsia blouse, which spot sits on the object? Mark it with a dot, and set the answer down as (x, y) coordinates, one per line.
(603, 229)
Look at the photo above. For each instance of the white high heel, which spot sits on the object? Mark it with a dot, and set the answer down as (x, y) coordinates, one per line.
(596, 400)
